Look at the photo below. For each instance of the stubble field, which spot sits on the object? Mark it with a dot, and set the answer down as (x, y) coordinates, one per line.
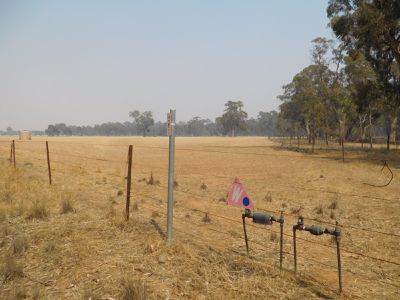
(70, 240)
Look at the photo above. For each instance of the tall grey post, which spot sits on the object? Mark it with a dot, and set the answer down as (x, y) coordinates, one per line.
(170, 209)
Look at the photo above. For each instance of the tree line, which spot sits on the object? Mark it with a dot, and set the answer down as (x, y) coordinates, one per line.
(351, 89)
(234, 121)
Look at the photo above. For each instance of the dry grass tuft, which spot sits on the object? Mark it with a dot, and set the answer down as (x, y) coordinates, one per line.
(135, 207)
(332, 215)
(67, 207)
(319, 210)
(296, 211)
(19, 245)
(273, 237)
(268, 197)
(91, 295)
(36, 294)
(206, 218)
(112, 213)
(133, 289)
(155, 214)
(176, 184)
(20, 294)
(203, 186)
(151, 180)
(11, 269)
(50, 247)
(38, 210)
(334, 204)
(121, 192)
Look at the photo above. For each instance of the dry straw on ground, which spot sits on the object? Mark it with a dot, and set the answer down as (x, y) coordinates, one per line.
(47, 253)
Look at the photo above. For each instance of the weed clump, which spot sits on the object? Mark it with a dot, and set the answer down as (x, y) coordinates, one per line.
(176, 184)
(120, 192)
(203, 186)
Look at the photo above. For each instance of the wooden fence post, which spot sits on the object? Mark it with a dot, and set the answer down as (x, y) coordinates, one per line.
(128, 182)
(11, 153)
(48, 161)
(13, 147)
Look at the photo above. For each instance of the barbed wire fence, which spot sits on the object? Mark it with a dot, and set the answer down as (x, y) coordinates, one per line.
(67, 157)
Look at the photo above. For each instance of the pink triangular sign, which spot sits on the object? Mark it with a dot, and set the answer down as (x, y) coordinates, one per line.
(238, 196)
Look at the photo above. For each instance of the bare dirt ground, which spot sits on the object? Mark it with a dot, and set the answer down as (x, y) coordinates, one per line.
(70, 240)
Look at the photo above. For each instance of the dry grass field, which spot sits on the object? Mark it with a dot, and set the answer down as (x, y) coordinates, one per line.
(70, 240)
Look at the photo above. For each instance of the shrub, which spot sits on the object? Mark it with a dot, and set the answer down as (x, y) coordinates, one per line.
(203, 186)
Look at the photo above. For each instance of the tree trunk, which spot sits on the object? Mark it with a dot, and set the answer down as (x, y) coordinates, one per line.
(313, 139)
(388, 142)
(361, 133)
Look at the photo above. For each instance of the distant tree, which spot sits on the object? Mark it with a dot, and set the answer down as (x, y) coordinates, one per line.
(372, 28)
(9, 130)
(234, 118)
(143, 120)
(267, 122)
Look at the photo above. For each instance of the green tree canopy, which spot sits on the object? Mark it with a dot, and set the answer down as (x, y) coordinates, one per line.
(143, 120)
(234, 118)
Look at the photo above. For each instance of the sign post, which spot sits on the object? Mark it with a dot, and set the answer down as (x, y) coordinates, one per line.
(171, 162)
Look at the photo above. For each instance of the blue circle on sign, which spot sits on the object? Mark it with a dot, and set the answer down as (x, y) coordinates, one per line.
(246, 201)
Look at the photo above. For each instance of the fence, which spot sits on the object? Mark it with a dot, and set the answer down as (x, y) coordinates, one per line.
(48, 154)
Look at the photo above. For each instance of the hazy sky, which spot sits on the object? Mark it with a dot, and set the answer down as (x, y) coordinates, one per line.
(87, 62)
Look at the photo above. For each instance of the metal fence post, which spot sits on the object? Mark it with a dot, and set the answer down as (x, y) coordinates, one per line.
(128, 182)
(339, 261)
(294, 250)
(48, 162)
(281, 241)
(171, 162)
